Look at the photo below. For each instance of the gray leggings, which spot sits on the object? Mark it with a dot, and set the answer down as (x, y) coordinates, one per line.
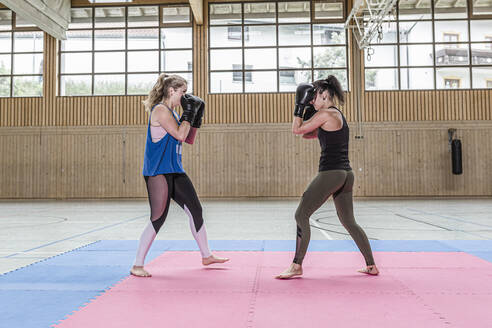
(338, 183)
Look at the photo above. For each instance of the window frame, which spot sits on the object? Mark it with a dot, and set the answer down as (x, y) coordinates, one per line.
(13, 29)
(449, 34)
(452, 78)
(469, 18)
(471, 15)
(244, 71)
(125, 28)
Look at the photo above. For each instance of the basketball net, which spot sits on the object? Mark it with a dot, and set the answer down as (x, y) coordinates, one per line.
(366, 19)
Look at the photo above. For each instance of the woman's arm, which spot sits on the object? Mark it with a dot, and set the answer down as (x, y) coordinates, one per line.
(311, 135)
(300, 127)
(168, 122)
(190, 139)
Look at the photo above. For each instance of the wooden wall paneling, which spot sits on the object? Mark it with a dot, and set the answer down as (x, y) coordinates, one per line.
(438, 105)
(475, 104)
(356, 156)
(397, 159)
(408, 101)
(92, 164)
(134, 184)
(456, 110)
(434, 109)
(374, 168)
(26, 163)
(8, 162)
(448, 109)
(366, 113)
(417, 104)
(400, 120)
(426, 106)
(51, 152)
(373, 106)
(443, 106)
(237, 108)
(382, 103)
(486, 105)
(4, 104)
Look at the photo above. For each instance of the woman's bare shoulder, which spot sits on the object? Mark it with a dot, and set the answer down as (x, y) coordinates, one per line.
(333, 118)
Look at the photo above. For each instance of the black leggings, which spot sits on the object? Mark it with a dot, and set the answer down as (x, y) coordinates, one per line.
(338, 183)
(177, 186)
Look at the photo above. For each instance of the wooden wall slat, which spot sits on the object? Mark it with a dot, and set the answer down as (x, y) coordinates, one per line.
(242, 132)
(251, 160)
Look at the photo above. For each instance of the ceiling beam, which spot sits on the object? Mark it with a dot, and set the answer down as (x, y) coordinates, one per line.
(52, 16)
(420, 4)
(197, 8)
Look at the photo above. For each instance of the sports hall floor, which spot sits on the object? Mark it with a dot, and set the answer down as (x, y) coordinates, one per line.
(65, 264)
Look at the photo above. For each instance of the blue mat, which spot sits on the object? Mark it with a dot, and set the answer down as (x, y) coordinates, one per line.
(237, 245)
(53, 288)
(487, 256)
(124, 245)
(39, 309)
(64, 277)
(410, 246)
(314, 245)
(99, 258)
(160, 246)
(469, 245)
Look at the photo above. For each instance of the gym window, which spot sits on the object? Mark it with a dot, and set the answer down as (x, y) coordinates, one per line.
(21, 57)
(273, 46)
(408, 57)
(121, 50)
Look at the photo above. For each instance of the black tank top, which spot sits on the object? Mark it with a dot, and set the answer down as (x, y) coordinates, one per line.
(334, 148)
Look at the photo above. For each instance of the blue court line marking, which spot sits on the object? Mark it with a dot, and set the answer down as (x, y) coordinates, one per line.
(78, 235)
(60, 285)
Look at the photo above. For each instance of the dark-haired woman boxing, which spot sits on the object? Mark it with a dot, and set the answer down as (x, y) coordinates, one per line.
(335, 177)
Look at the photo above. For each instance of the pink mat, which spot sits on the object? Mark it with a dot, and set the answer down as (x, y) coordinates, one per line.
(414, 290)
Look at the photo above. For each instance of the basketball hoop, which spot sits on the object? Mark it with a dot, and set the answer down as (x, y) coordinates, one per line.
(366, 18)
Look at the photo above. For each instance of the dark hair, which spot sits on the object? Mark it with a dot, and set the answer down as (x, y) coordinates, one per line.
(333, 86)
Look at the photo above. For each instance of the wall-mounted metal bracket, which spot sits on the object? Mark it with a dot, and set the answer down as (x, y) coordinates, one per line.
(451, 133)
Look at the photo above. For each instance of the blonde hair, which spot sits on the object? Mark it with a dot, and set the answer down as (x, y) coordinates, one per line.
(161, 87)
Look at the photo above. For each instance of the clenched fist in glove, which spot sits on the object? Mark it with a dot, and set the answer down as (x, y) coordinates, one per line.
(193, 108)
(304, 95)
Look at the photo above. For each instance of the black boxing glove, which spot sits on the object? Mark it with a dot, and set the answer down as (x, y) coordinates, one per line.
(304, 95)
(197, 122)
(191, 105)
(309, 111)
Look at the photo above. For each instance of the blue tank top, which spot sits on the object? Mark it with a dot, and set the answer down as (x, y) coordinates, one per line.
(163, 156)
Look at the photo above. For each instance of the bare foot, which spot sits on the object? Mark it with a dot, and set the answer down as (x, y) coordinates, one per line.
(294, 270)
(213, 259)
(139, 271)
(370, 270)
